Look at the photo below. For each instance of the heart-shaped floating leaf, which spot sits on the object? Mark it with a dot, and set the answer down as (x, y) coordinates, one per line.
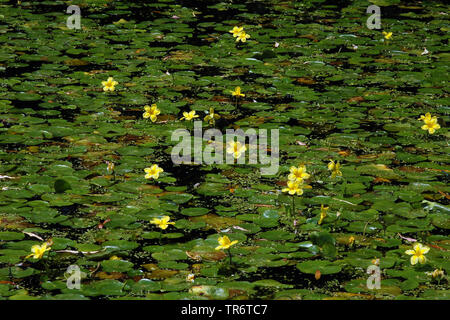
(61, 186)
(116, 265)
(272, 283)
(193, 212)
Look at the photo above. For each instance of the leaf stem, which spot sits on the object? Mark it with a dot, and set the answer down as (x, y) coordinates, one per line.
(293, 206)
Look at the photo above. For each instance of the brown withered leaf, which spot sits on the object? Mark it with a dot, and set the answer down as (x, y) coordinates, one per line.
(356, 99)
(236, 293)
(215, 221)
(308, 36)
(264, 205)
(15, 223)
(162, 274)
(367, 156)
(344, 153)
(337, 63)
(220, 99)
(110, 275)
(76, 62)
(446, 195)
(305, 81)
(381, 180)
(165, 193)
(206, 255)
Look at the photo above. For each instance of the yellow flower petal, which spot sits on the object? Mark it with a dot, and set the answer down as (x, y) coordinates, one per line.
(422, 259)
(331, 165)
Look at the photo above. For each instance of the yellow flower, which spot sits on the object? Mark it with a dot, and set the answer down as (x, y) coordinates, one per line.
(38, 251)
(242, 37)
(212, 117)
(430, 123)
(294, 187)
(436, 273)
(120, 21)
(426, 117)
(110, 167)
(418, 253)
(190, 277)
(163, 223)
(323, 213)
(334, 168)
(153, 172)
(376, 261)
(237, 92)
(298, 173)
(431, 126)
(387, 35)
(189, 115)
(236, 148)
(351, 240)
(151, 112)
(114, 258)
(225, 243)
(236, 30)
(109, 84)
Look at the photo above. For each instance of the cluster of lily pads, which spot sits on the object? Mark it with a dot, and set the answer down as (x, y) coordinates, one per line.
(86, 177)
